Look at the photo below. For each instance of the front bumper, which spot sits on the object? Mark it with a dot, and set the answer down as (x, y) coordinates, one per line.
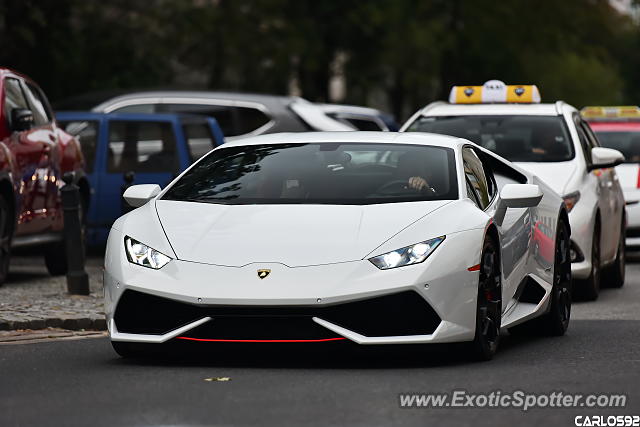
(434, 301)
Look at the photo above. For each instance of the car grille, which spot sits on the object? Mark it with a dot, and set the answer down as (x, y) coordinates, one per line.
(404, 313)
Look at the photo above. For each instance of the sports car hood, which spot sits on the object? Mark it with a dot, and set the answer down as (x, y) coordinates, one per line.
(294, 235)
(555, 174)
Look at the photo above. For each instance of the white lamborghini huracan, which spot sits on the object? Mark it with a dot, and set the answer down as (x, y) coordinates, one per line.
(368, 237)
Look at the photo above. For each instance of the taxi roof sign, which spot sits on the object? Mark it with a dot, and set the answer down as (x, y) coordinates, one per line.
(495, 92)
(624, 112)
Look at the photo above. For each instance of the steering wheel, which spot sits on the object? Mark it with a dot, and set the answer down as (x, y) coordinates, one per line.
(395, 187)
(401, 186)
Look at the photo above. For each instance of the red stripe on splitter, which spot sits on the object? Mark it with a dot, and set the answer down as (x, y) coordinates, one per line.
(221, 340)
(474, 268)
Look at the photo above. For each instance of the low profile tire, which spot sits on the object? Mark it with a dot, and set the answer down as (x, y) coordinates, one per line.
(6, 233)
(556, 321)
(489, 306)
(590, 288)
(614, 275)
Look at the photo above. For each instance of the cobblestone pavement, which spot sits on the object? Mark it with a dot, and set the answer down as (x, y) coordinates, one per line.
(32, 299)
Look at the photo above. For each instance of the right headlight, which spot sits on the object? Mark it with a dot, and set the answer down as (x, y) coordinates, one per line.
(408, 255)
(141, 254)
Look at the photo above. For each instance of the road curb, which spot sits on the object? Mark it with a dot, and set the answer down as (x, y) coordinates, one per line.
(69, 323)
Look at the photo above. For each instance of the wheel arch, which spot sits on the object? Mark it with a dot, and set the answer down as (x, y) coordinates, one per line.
(492, 232)
(563, 215)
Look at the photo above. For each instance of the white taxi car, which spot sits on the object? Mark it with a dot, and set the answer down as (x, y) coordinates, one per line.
(619, 128)
(555, 143)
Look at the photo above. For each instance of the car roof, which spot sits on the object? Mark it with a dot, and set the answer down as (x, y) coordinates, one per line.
(446, 109)
(418, 138)
(235, 96)
(355, 109)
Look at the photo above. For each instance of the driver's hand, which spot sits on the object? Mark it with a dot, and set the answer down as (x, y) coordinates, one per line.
(418, 183)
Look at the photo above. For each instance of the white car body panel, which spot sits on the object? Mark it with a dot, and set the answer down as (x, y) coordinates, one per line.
(600, 190)
(318, 254)
(628, 173)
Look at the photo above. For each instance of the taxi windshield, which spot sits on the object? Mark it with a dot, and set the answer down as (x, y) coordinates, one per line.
(627, 142)
(516, 138)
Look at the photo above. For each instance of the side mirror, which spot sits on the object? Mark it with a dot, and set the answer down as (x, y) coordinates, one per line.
(605, 158)
(520, 195)
(21, 119)
(138, 195)
(517, 196)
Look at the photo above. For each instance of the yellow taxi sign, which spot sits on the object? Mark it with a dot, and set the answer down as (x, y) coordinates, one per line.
(495, 92)
(611, 112)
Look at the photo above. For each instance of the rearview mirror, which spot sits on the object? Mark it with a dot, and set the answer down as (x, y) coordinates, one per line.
(21, 119)
(517, 196)
(138, 195)
(520, 195)
(602, 158)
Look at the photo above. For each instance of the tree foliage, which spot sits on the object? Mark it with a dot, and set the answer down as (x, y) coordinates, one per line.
(398, 54)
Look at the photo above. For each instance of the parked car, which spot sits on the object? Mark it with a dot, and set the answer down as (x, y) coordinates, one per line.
(140, 148)
(34, 154)
(553, 142)
(362, 118)
(619, 128)
(239, 114)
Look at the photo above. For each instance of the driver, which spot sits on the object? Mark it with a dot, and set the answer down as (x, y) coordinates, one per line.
(546, 142)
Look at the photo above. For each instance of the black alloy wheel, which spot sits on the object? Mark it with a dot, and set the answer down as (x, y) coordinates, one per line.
(489, 305)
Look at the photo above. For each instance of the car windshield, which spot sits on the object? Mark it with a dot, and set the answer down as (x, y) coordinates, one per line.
(325, 173)
(628, 143)
(516, 138)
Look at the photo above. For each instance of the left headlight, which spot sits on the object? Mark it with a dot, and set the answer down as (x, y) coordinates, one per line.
(408, 255)
(141, 254)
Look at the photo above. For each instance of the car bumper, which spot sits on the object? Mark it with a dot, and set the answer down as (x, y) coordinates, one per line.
(431, 302)
(582, 223)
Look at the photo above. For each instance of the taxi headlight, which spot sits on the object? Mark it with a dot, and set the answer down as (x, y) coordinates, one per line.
(141, 254)
(408, 255)
(571, 199)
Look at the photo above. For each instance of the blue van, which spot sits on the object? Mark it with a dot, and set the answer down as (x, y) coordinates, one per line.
(124, 149)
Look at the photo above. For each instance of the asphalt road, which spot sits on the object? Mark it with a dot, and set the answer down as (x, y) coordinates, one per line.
(83, 382)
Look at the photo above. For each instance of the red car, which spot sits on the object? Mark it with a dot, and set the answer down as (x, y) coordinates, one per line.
(34, 154)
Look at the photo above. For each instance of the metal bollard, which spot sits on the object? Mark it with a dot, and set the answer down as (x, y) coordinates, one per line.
(77, 278)
(128, 177)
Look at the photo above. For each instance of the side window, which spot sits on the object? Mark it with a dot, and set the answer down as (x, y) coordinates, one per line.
(471, 193)
(590, 135)
(364, 124)
(249, 119)
(87, 135)
(222, 113)
(476, 177)
(199, 139)
(360, 122)
(38, 105)
(142, 147)
(136, 108)
(13, 97)
(584, 141)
